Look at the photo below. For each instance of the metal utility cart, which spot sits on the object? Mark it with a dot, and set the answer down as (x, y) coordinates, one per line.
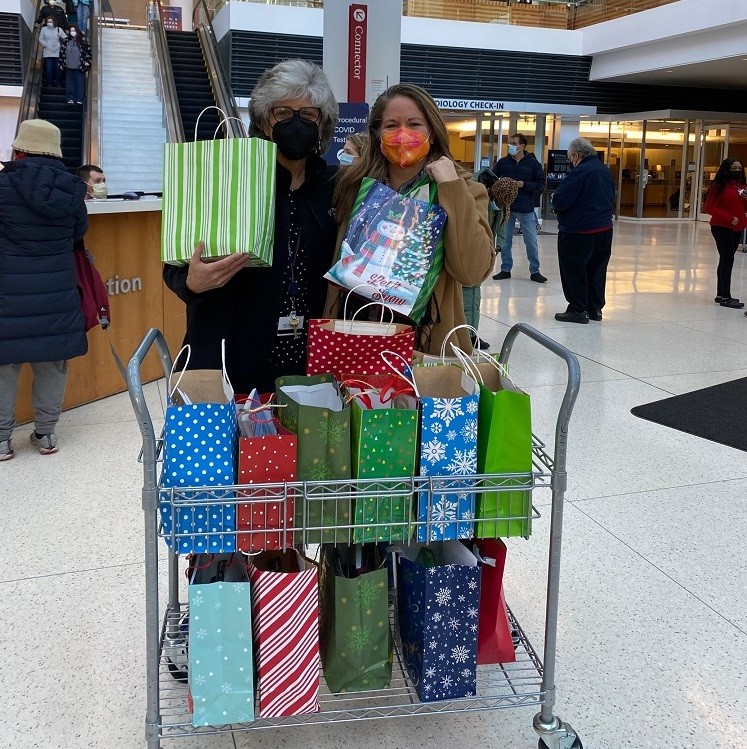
(528, 681)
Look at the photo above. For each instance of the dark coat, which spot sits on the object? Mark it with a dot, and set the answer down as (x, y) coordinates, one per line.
(85, 53)
(529, 171)
(42, 212)
(246, 310)
(53, 11)
(585, 199)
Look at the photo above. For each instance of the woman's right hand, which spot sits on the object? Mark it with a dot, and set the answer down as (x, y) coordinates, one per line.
(204, 276)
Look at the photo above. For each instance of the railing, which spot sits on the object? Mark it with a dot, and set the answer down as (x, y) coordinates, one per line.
(32, 75)
(164, 74)
(91, 146)
(201, 20)
(541, 13)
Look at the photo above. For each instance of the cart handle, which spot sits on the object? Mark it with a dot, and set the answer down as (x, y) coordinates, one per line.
(137, 398)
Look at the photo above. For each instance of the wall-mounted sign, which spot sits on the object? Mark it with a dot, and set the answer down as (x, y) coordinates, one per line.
(353, 119)
(495, 105)
(116, 285)
(171, 18)
(357, 40)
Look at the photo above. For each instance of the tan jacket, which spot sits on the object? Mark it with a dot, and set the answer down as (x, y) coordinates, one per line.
(469, 256)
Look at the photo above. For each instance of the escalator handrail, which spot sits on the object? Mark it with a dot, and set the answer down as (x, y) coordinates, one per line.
(201, 20)
(32, 75)
(91, 146)
(165, 74)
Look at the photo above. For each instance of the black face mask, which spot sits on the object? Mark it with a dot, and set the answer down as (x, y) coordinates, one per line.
(295, 138)
(734, 174)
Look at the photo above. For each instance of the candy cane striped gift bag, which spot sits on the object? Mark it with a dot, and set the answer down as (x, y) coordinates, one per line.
(285, 615)
(221, 192)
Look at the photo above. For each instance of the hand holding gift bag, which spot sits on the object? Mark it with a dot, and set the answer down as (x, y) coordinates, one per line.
(342, 346)
(393, 245)
(221, 192)
(199, 451)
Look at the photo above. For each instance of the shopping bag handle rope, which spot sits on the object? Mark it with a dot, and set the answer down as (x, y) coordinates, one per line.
(226, 119)
(203, 112)
(394, 369)
(468, 364)
(453, 330)
(347, 299)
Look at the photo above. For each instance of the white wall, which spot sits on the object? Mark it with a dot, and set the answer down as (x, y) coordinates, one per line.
(9, 106)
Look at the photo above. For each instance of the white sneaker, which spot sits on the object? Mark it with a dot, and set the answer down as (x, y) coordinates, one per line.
(6, 450)
(46, 444)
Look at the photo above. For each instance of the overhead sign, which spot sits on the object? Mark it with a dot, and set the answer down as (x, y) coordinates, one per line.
(357, 40)
(353, 119)
(171, 18)
(495, 105)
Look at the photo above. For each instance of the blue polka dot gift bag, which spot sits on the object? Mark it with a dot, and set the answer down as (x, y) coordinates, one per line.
(200, 438)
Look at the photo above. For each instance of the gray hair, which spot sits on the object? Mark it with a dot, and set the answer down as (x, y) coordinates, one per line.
(294, 79)
(582, 148)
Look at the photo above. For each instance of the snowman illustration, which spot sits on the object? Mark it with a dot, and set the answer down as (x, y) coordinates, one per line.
(380, 247)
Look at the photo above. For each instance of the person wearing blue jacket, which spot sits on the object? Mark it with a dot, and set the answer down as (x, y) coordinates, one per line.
(584, 203)
(527, 171)
(42, 213)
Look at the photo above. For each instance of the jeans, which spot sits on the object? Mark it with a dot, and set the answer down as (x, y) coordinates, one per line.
(583, 260)
(727, 241)
(472, 297)
(528, 224)
(84, 13)
(52, 71)
(75, 85)
(47, 392)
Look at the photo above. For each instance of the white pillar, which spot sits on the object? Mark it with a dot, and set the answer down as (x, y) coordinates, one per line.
(570, 128)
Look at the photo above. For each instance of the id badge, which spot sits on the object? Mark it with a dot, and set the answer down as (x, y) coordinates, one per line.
(285, 327)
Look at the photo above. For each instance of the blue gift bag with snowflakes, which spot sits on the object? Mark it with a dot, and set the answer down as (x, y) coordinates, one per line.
(199, 450)
(449, 402)
(221, 671)
(438, 598)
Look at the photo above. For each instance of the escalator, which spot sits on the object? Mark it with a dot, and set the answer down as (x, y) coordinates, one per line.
(69, 118)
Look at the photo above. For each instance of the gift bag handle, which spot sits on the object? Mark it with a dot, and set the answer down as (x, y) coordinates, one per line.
(226, 119)
(394, 369)
(347, 299)
(188, 349)
(468, 364)
(225, 116)
(502, 368)
(448, 335)
(373, 304)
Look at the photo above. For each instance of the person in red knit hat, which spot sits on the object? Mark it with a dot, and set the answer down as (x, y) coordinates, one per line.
(726, 202)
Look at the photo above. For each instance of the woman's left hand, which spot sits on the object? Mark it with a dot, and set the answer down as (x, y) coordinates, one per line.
(442, 170)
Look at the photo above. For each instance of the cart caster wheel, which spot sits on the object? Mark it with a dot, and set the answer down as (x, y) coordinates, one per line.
(177, 672)
(575, 745)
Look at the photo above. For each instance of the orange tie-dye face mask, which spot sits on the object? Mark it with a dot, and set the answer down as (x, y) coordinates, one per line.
(405, 147)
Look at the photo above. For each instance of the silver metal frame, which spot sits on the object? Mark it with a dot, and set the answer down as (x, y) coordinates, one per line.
(33, 73)
(529, 681)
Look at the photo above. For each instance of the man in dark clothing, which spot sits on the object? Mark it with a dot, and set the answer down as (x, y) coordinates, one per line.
(584, 203)
(53, 10)
(42, 213)
(527, 171)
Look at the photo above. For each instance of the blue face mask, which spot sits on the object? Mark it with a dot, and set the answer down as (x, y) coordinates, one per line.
(513, 150)
(345, 159)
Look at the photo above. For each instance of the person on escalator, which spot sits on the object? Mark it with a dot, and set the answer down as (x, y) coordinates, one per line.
(75, 59)
(49, 38)
(52, 9)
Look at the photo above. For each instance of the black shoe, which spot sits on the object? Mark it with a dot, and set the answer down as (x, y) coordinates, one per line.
(720, 299)
(480, 344)
(538, 277)
(595, 314)
(503, 274)
(579, 317)
(732, 304)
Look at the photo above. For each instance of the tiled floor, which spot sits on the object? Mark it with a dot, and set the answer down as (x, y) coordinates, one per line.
(653, 627)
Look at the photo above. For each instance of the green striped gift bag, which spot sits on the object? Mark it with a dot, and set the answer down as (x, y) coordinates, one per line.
(223, 193)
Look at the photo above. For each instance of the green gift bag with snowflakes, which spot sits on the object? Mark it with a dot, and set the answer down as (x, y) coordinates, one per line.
(356, 641)
(312, 408)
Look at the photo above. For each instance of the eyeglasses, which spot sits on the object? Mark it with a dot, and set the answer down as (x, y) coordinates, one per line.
(309, 114)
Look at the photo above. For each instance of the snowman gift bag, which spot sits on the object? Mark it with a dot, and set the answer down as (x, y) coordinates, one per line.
(393, 248)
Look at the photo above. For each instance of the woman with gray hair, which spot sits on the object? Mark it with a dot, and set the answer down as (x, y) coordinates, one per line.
(263, 313)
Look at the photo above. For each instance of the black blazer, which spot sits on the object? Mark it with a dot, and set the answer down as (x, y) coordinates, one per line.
(246, 310)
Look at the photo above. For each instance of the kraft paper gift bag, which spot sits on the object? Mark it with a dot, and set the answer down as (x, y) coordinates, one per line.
(221, 673)
(313, 409)
(393, 248)
(285, 612)
(199, 451)
(384, 445)
(504, 445)
(438, 589)
(223, 193)
(356, 641)
(449, 401)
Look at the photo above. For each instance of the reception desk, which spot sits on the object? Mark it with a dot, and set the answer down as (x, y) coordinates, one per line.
(125, 239)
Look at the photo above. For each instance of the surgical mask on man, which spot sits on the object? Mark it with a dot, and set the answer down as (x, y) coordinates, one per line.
(512, 149)
(100, 191)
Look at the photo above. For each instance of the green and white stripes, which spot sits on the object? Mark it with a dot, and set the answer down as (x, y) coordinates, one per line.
(221, 192)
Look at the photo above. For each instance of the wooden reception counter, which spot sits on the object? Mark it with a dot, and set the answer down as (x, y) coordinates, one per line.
(125, 239)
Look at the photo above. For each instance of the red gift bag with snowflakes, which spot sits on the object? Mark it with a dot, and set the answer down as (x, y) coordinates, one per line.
(340, 346)
(266, 518)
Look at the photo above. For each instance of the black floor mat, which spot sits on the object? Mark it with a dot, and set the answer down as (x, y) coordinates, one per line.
(717, 413)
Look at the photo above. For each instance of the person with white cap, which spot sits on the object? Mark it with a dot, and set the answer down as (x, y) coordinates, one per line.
(42, 213)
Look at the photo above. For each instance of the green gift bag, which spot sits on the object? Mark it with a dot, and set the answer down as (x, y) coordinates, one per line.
(356, 641)
(312, 408)
(384, 445)
(504, 445)
(223, 193)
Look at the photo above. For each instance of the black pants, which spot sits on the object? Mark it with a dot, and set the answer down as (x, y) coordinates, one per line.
(583, 260)
(727, 242)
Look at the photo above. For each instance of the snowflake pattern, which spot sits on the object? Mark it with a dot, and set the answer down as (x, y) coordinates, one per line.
(443, 596)
(472, 407)
(469, 430)
(460, 654)
(464, 462)
(447, 409)
(472, 612)
(359, 638)
(437, 617)
(454, 623)
(451, 435)
(436, 428)
(434, 451)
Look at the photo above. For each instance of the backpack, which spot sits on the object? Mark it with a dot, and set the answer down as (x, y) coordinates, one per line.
(94, 300)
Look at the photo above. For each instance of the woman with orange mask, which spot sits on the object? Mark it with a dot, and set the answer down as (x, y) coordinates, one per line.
(409, 152)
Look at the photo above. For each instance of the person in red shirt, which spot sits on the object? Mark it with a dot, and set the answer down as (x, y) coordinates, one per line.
(727, 203)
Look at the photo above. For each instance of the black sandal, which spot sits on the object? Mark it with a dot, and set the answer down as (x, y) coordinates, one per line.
(732, 304)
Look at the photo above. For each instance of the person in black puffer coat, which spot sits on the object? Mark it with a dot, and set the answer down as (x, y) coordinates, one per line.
(42, 212)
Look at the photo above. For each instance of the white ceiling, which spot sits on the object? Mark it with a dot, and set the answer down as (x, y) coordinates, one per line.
(723, 73)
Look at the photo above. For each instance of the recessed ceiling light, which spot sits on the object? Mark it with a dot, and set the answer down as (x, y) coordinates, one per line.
(670, 71)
